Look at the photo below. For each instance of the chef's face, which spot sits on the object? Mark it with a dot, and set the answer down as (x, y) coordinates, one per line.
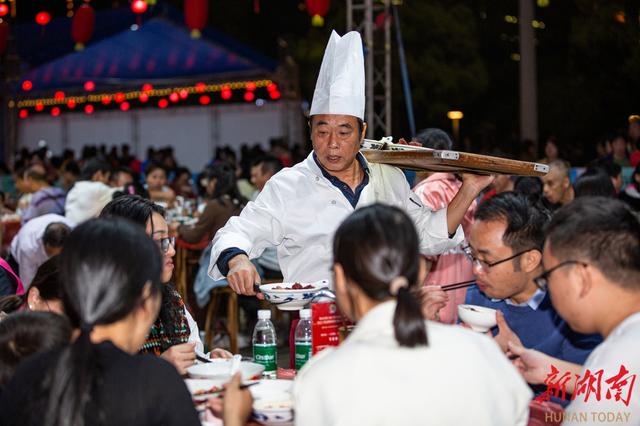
(336, 140)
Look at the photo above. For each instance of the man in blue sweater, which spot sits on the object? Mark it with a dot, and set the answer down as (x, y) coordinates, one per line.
(505, 245)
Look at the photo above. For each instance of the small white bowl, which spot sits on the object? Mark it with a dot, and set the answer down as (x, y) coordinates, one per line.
(273, 402)
(291, 300)
(219, 369)
(479, 318)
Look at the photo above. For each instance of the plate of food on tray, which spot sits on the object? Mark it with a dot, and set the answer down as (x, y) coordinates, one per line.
(292, 296)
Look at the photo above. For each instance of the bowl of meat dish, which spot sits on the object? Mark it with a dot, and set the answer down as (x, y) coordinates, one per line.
(292, 296)
(273, 402)
(479, 318)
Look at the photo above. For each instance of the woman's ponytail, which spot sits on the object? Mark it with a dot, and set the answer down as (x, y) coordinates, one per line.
(408, 322)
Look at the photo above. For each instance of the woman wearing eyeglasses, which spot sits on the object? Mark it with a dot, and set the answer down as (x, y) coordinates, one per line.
(174, 335)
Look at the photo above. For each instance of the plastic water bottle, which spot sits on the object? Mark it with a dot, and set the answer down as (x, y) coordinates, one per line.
(303, 338)
(265, 348)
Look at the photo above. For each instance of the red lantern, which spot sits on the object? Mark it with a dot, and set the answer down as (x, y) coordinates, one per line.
(275, 95)
(71, 104)
(43, 18)
(205, 100)
(317, 9)
(82, 25)
(173, 97)
(124, 106)
(55, 111)
(4, 9)
(249, 96)
(251, 86)
(59, 95)
(119, 97)
(106, 100)
(196, 13)
(39, 107)
(27, 85)
(88, 109)
(89, 86)
(4, 35)
(226, 94)
(163, 103)
(147, 87)
(139, 6)
(24, 113)
(144, 97)
(201, 87)
(183, 94)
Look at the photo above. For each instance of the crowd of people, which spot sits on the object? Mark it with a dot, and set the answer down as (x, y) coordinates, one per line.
(92, 330)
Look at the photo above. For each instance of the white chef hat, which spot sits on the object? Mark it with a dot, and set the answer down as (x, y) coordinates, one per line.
(340, 85)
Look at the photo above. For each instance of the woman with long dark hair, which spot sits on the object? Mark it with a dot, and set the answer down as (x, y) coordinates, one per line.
(223, 201)
(111, 276)
(174, 335)
(394, 362)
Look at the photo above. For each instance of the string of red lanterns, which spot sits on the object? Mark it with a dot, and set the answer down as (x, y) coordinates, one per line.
(166, 96)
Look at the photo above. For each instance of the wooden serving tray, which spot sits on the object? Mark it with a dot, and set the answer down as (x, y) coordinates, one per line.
(422, 159)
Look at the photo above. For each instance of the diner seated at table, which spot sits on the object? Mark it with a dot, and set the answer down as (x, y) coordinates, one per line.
(90, 193)
(45, 198)
(223, 201)
(182, 184)
(174, 335)
(38, 240)
(23, 334)
(592, 271)
(395, 367)
(505, 245)
(156, 184)
(44, 293)
(114, 290)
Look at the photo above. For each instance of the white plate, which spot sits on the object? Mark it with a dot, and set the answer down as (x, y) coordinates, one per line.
(219, 369)
(291, 300)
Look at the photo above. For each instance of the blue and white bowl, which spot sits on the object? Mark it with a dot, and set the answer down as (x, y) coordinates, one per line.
(273, 402)
(291, 300)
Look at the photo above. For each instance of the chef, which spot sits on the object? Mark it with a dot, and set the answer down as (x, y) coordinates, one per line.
(300, 207)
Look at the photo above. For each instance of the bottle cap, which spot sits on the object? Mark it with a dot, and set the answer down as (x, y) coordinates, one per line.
(305, 313)
(264, 314)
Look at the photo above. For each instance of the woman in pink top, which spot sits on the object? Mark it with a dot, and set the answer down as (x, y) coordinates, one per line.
(436, 192)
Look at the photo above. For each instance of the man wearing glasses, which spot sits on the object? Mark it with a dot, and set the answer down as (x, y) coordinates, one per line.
(505, 246)
(592, 271)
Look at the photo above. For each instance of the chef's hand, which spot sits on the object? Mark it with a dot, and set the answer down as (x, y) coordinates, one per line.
(476, 183)
(433, 299)
(243, 275)
(182, 356)
(505, 334)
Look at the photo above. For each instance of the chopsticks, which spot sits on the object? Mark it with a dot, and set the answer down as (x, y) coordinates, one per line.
(457, 286)
(221, 390)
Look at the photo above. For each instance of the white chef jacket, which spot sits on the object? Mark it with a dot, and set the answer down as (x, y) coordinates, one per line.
(299, 210)
(27, 248)
(621, 347)
(460, 378)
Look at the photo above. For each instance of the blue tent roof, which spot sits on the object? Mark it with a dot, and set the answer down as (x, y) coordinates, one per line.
(158, 50)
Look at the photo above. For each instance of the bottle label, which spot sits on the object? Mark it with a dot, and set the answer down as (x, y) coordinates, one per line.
(266, 355)
(303, 353)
